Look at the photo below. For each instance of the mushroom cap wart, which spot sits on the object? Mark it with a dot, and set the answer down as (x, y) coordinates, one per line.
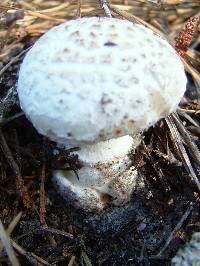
(94, 79)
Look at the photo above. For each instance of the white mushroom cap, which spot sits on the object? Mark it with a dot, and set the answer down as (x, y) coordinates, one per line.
(94, 79)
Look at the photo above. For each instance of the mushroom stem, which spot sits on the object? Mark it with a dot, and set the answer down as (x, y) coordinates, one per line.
(107, 175)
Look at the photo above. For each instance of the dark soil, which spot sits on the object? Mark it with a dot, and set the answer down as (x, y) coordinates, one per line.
(130, 235)
(148, 231)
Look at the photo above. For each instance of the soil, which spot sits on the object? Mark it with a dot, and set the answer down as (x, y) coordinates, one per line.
(130, 235)
(147, 231)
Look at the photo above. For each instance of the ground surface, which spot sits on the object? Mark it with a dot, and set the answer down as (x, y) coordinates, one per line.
(44, 230)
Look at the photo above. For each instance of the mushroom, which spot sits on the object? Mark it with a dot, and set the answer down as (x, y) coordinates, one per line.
(96, 83)
(190, 254)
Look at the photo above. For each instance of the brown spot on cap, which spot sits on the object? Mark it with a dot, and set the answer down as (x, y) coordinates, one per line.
(92, 34)
(96, 25)
(117, 131)
(75, 33)
(130, 28)
(113, 35)
(104, 101)
(66, 50)
(101, 135)
(113, 26)
(80, 41)
(130, 123)
(93, 45)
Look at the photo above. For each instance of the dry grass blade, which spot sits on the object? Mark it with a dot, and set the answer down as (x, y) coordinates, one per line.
(72, 260)
(14, 223)
(42, 196)
(194, 73)
(136, 19)
(20, 182)
(32, 258)
(56, 231)
(7, 245)
(177, 227)
(171, 2)
(57, 8)
(85, 259)
(11, 227)
(11, 118)
(188, 117)
(43, 16)
(176, 138)
(189, 111)
(79, 8)
(43, 229)
(104, 4)
(13, 60)
(186, 136)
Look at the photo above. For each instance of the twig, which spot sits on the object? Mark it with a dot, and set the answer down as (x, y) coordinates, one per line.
(195, 130)
(7, 102)
(55, 8)
(58, 232)
(194, 72)
(42, 213)
(177, 227)
(181, 149)
(188, 117)
(49, 230)
(193, 148)
(105, 7)
(11, 227)
(13, 60)
(79, 8)
(31, 257)
(42, 204)
(188, 111)
(85, 259)
(20, 182)
(72, 260)
(42, 196)
(11, 118)
(43, 16)
(7, 245)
